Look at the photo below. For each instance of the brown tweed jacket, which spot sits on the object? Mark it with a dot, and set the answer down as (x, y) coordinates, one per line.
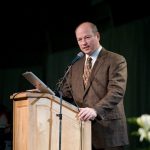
(104, 92)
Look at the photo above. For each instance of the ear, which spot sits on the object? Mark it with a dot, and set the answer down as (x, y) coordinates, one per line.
(98, 35)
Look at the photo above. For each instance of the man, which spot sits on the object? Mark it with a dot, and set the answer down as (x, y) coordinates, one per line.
(99, 89)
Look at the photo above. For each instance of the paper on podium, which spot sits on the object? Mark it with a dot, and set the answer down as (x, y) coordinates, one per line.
(37, 83)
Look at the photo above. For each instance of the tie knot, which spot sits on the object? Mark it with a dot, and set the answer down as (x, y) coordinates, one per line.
(89, 59)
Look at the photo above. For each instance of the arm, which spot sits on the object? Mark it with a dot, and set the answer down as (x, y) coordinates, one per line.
(115, 89)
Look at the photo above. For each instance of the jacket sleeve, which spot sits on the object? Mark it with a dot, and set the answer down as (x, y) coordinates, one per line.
(115, 89)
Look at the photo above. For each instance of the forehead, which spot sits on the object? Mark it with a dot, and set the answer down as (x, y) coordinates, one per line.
(84, 29)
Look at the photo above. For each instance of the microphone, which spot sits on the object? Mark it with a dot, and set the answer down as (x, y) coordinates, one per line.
(79, 55)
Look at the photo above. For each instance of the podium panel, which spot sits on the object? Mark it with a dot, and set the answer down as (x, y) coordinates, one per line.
(36, 124)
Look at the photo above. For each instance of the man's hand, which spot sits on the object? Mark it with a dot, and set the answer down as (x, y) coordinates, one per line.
(87, 114)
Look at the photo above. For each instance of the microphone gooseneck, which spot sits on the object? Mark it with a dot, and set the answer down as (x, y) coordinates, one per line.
(60, 83)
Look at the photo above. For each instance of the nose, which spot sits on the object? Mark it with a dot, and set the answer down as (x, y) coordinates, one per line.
(84, 42)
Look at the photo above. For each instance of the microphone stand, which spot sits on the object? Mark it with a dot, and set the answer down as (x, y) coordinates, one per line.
(60, 84)
(60, 119)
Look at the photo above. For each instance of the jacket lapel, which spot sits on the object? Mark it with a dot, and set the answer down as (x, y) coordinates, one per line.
(96, 67)
(80, 75)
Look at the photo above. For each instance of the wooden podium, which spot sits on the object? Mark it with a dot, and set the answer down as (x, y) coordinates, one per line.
(36, 125)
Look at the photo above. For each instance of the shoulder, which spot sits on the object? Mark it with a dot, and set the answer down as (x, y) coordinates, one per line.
(112, 55)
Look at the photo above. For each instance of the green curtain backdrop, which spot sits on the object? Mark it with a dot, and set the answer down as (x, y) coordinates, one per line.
(132, 40)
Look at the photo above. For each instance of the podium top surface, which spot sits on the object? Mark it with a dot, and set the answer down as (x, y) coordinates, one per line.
(28, 95)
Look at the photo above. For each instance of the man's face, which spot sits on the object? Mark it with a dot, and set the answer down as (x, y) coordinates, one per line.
(87, 40)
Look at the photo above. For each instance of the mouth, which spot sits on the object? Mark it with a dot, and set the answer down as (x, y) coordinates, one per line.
(86, 48)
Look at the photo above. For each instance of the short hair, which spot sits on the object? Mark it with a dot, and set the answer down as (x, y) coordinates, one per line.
(92, 25)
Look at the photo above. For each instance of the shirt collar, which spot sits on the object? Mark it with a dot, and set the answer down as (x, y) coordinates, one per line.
(95, 55)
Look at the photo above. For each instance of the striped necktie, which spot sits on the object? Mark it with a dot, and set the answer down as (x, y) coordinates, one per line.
(87, 70)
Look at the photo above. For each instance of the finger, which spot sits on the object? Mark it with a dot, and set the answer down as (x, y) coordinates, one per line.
(87, 116)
